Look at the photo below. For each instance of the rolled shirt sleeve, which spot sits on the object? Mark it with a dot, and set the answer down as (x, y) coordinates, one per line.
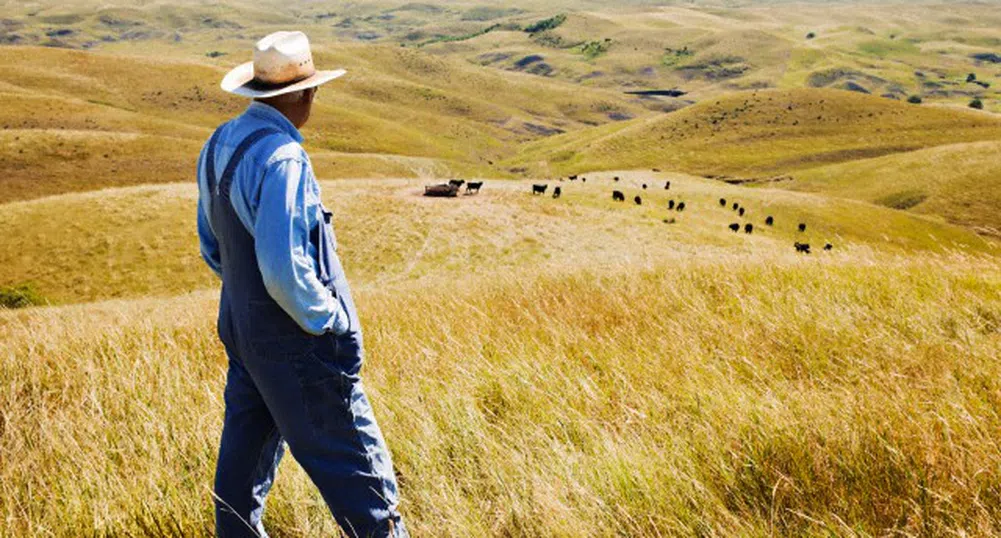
(286, 213)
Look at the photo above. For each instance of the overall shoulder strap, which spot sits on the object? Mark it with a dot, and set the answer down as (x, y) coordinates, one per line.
(227, 176)
(225, 181)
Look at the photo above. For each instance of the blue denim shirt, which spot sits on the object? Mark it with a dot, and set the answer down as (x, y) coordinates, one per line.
(276, 197)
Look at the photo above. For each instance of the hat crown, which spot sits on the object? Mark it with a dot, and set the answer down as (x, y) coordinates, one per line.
(282, 58)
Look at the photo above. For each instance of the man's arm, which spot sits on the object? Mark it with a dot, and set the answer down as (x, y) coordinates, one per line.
(208, 244)
(285, 216)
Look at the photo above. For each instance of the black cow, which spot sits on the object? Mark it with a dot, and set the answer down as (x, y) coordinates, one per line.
(583, 180)
(616, 178)
(670, 204)
(828, 247)
(667, 186)
(681, 206)
(769, 221)
(573, 177)
(735, 227)
(473, 186)
(557, 192)
(539, 189)
(618, 196)
(656, 169)
(802, 227)
(644, 186)
(638, 200)
(736, 206)
(802, 247)
(722, 202)
(740, 212)
(748, 228)
(456, 182)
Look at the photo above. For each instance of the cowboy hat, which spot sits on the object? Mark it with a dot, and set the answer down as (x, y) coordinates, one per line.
(282, 64)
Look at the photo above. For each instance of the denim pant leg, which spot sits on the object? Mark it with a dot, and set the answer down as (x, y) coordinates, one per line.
(249, 453)
(321, 409)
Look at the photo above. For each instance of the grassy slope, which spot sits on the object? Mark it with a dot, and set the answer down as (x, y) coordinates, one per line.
(140, 241)
(762, 133)
(574, 367)
(741, 397)
(396, 104)
(959, 182)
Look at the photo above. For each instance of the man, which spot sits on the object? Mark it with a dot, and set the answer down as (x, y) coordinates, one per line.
(286, 317)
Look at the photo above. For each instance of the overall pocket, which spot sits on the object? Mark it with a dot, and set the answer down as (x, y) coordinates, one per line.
(326, 382)
(273, 335)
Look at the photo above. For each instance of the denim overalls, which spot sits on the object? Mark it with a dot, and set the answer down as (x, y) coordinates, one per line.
(286, 385)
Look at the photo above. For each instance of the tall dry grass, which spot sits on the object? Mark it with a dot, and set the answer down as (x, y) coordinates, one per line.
(748, 398)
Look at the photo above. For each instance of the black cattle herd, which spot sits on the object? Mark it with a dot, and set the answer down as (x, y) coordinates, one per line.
(451, 189)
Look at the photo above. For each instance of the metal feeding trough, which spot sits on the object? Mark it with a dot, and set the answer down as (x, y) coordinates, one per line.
(443, 190)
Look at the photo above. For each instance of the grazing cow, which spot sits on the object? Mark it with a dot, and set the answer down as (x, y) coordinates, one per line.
(457, 183)
(618, 196)
(616, 178)
(638, 200)
(644, 186)
(802, 247)
(539, 189)
(736, 206)
(735, 227)
(573, 177)
(670, 204)
(769, 221)
(722, 202)
(828, 247)
(583, 180)
(667, 186)
(656, 169)
(802, 227)
(748, 228)
(681, 206)
(557, 192)
(740, 212)
(473, 186)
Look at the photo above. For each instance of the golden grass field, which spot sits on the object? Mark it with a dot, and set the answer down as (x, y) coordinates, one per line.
(541, 367)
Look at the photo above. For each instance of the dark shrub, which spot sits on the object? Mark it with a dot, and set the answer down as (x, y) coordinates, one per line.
(19, 296)
(546, 24)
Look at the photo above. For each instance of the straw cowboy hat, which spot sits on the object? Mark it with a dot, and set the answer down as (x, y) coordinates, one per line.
(282, 64)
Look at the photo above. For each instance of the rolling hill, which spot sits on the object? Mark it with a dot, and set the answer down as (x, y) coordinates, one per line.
(958, 181)
(763, 133)
(571, 367)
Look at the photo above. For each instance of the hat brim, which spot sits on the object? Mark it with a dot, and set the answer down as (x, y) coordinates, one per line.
(240, 81)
